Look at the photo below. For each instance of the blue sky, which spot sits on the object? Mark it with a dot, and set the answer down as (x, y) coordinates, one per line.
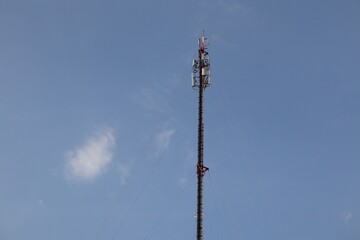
(98, 119)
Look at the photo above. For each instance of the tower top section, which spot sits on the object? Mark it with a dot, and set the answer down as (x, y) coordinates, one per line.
(201, 66)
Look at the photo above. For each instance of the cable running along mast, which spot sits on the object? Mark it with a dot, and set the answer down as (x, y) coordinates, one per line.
(201, 80)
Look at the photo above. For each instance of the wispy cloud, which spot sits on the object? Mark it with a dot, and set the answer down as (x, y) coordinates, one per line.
(156, 96)
(124, 172)
(149, 100)
(229, 6)
(163, 138)
(91, 159)
(41, 202)
(346, 217)
(232, 7)
(183, 181)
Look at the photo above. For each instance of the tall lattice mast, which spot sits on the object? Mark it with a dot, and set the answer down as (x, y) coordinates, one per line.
(201, 80)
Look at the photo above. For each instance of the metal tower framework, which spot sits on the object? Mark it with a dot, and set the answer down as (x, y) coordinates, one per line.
(201, 80)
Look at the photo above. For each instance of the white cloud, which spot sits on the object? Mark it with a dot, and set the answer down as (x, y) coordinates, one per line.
(163, 139)
(91, 159)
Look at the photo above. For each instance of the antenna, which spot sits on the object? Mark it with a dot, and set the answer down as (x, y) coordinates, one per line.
(201, 80)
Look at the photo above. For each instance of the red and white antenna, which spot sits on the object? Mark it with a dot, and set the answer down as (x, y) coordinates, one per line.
(201, 80)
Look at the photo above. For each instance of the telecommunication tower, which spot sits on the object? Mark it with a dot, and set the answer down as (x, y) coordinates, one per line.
(200, 80)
